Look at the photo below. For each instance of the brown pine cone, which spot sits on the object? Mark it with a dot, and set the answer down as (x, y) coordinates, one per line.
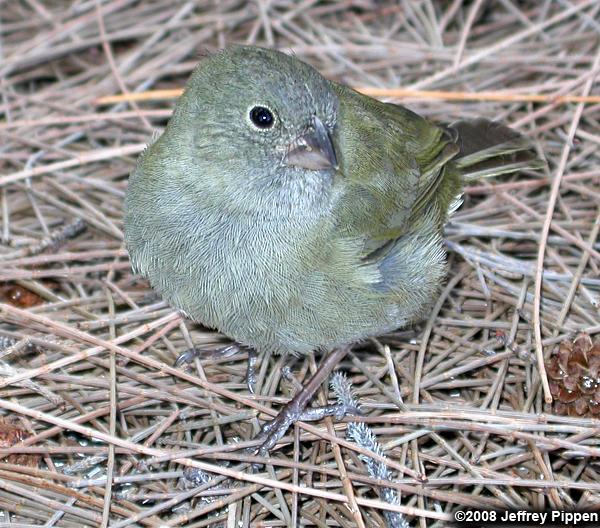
(574, 376)
(11, 433)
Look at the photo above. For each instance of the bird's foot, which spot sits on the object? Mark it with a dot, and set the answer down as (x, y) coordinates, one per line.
(274, 430)
(251, 370)
(338, 411)
(295, 410)
(190, 354)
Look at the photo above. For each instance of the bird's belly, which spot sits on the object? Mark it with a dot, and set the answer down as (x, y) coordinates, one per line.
(247, 281)
(280, 289)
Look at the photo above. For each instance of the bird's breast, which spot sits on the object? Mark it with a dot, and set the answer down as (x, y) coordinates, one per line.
(240, 275)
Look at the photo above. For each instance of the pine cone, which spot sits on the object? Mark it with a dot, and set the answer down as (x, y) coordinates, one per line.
(574, 376)
(11, 433)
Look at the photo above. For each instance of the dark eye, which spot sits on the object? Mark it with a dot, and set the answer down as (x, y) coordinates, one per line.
(262, 117)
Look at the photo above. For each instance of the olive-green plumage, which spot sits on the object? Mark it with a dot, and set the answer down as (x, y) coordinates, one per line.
(294, 214)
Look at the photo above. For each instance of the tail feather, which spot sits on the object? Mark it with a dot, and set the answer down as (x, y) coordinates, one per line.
(488, 148)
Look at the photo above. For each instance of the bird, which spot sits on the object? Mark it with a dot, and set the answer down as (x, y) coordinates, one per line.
(296, 215)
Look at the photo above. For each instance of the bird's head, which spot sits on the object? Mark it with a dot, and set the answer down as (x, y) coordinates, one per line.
(258, 126)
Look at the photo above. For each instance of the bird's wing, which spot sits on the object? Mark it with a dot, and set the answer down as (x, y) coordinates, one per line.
(393, 169)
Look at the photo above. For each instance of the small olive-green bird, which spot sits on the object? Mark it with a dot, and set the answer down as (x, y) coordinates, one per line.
(295, 214)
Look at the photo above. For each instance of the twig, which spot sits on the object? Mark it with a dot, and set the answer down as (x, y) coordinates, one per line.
(391, 93)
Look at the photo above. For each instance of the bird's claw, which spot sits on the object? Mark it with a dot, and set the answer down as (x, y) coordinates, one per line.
(187, 356)
(274, 430)
(251, 370)
(338, 411)
(190, 354)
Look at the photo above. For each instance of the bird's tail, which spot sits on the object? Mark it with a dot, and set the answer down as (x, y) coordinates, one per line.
(488, 148)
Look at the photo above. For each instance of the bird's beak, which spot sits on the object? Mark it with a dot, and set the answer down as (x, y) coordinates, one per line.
(313, 150)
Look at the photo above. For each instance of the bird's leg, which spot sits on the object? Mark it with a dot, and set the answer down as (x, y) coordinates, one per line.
(191, 353)
(293, 411)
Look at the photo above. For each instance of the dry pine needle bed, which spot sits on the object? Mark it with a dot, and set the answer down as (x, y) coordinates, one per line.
(492, 402)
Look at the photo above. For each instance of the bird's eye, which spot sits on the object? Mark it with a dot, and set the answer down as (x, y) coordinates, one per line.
(262, 117)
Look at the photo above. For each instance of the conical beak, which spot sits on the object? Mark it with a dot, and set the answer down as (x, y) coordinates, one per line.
(314, 150)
